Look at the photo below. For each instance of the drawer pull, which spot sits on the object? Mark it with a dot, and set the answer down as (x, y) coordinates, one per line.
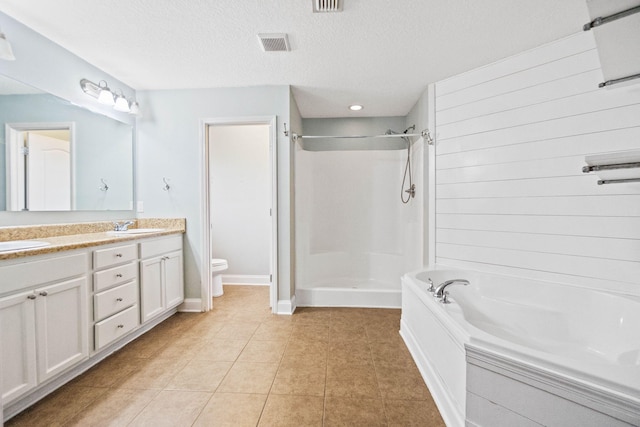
(31, 297)
(120, 326)
(118, 255)
(119, 275)
(119, 299)
(44, 293)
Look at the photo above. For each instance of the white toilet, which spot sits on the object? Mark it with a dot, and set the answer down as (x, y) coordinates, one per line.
(218, 265)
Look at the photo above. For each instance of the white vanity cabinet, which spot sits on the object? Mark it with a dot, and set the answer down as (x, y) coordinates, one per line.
(115, 299)
(161, 276)
(45, 323)
(53, 305)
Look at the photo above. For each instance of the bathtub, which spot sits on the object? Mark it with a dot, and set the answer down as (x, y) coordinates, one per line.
(513, 351)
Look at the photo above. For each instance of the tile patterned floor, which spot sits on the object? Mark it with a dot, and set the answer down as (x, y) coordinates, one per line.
(239, 365)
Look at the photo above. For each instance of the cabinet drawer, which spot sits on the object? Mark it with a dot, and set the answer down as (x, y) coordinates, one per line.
(114, 276)
(31, 273)
(116, 326)
(113, 256)
(160, 246)
(114, 300)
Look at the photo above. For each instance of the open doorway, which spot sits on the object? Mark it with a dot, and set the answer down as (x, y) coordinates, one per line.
(241, 205)
(39, 164)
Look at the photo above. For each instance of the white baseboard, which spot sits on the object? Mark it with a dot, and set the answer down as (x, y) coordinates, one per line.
(287, 307)
(191, 305)
(246, 279)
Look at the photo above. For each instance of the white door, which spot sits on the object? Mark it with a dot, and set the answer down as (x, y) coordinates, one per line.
(48, 173)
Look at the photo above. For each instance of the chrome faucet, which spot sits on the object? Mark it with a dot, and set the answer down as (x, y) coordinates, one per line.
(122, 227)
(430, 288)
(440, 290)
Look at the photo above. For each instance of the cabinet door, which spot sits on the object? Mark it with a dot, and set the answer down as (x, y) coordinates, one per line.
(173, 279)
(18, 334)
(61, 326)
(151, 289)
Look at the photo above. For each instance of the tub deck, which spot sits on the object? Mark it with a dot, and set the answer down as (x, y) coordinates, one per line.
(478, 368)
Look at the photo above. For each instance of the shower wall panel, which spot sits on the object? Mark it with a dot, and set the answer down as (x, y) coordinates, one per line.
(350, 222)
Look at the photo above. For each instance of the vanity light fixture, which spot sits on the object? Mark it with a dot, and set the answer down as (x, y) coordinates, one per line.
(104, 95)
(134, 108)
(355, 107)
(6, 52)
(121, 104)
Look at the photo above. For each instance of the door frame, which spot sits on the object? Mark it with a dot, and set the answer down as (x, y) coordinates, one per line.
(13, 153)
(205, 291)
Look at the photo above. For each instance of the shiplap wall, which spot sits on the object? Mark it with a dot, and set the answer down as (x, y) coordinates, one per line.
(511, 197)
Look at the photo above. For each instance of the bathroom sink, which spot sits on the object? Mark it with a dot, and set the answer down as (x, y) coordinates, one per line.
(17, 245)
(137, 231)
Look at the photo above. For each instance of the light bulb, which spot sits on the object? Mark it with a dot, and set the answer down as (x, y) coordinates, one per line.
(121, 104)
(134, 108)
(106, 96)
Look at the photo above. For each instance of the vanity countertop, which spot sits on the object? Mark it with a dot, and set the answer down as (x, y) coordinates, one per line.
(64, 237)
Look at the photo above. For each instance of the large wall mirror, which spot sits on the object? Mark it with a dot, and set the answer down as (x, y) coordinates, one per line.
(56, 156)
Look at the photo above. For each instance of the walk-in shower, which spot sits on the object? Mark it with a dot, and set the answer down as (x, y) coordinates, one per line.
(354, 238)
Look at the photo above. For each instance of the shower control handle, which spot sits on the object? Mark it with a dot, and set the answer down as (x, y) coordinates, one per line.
(411, 190)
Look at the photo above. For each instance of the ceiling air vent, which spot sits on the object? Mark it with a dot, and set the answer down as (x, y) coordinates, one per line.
(274, 42)
(327, 5)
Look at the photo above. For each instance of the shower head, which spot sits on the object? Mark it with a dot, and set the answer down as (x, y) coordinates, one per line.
(392, 132)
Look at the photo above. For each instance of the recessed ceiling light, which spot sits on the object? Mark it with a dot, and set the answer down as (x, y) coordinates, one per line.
(355, 107)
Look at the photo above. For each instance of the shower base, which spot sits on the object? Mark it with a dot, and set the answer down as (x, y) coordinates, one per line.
(346, 292)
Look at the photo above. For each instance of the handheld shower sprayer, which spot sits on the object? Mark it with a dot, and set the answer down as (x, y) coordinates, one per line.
(407, 168)
(411, 191)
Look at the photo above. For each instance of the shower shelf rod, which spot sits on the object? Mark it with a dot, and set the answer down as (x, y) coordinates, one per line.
(424, 134)
(399, 135)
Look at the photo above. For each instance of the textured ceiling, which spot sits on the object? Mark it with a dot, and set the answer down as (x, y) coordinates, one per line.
(380, 53)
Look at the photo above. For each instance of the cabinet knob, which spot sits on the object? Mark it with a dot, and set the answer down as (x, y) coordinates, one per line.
(118, 275)
(31, 296)
(119, 299)
(120, 326)
(44, 293)
(118, 255)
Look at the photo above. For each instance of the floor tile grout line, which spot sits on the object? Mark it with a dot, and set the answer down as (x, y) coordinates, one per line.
(336, 321)
(144, 407)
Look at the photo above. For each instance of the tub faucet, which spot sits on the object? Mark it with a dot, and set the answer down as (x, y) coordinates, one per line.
(122, 227)
(430, 288)
(440, 290)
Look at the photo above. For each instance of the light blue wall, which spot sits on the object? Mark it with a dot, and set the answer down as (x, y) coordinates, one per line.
(51, 68)
(170, 145)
